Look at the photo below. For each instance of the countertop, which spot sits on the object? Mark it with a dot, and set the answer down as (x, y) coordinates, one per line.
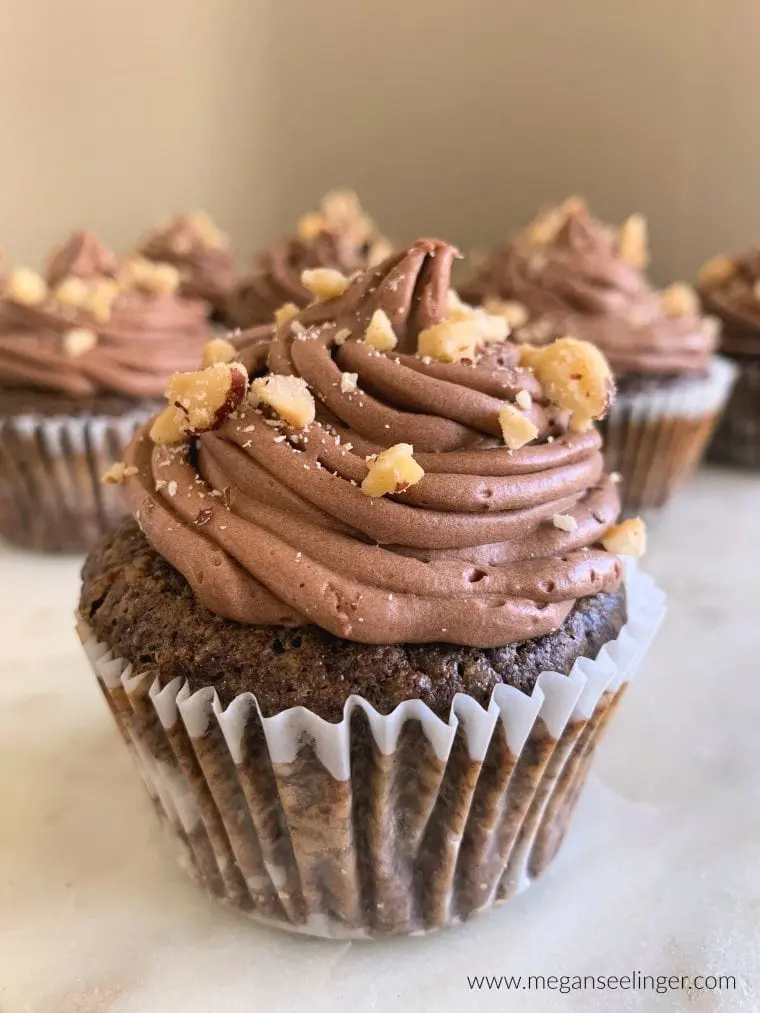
(659, 875)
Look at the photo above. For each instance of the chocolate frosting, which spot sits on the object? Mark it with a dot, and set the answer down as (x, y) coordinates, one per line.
(193, 244)
(148, 335)
(269, 525)
(736, 302)
(346, 240)
(578, 283)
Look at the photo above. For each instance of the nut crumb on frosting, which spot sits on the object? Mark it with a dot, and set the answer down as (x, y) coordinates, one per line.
(325, 283)
(200, 401)
(449, 341)
(679, 300)
(289, 396)
(633, 243)
(342, 336)
(72, 291)
(217, 350)
(379, 333)
(285, 313)
(348, 382)
(565, 522)
(117, 473)
(523, 400)
(629, 538)
(516, 428)
(717, 271)
(26, 287)
(78, 341)
(393, 470)
(575, 376)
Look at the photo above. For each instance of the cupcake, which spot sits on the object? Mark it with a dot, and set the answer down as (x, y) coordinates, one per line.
(568, 273)
(201, 253)
(340, 236)
(84, 356)
(730, 289)
(370, 620)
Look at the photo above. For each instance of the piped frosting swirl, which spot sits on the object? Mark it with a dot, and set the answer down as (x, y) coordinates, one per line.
(730, 289)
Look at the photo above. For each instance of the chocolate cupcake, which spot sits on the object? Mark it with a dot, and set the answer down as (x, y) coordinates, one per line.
(568, 273)
(201, 253)
(338, 236)
(730, 290)
(84, 356)
(373, 621)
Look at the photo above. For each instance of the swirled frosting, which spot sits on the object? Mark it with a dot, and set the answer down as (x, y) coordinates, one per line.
(141, 338)
(338, 236)
(732, 293)
(269, 524)
(201, 252)
(570, 273)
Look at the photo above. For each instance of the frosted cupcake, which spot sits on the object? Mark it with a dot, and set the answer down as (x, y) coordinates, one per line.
(568, 273)
(373, 620)
(84, 356)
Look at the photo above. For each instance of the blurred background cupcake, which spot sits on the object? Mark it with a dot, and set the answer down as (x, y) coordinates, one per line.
(339, 236)
(569, 273)
(202, 254)
(730, 289)
(373, 620)
(84, 356)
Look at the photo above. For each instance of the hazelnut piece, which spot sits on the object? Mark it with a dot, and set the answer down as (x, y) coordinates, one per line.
(516, 428)
(717, 271)
(379, 333)
(24, 286)
(575, 376)
(633, 243)
(200, 401)
(325, 283)
(629, 538)
(217, 350)
(289, 396)
(393, 470)
(78, 341)
(450, 341)
(679, 300)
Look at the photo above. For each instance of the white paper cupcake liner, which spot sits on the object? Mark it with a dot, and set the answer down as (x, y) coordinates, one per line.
(656, 438)
(51, 498)
(378, 824)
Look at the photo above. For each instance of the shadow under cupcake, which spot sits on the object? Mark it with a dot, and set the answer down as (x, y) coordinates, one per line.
(371, 620)
(84, 356)
(568, 273)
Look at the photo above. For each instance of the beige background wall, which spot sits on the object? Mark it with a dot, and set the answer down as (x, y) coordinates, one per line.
(455, 117)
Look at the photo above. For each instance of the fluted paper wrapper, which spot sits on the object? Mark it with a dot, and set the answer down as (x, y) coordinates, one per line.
(376, 825)
(656, 438)
(51, 498)
(737, 438)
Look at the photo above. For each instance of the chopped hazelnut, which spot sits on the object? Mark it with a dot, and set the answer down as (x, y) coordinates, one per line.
(575, 376)
(513, 312)
(285, 313)
(523, 400)
(629, 538)
(380, 250)
(633, 244)
(546, 226)
(380, 334)
(679, 300)
(717, 271)
(101, 298)
(342, 336)
(165, 279)
(564, 522)
(348, 382)
(393, 470)
(516, 427)
(450, 341)
(217, 350)
(24, 286)
(493, 328)
(78, 341)
(310, 225)
(73, 292)
(117, 473)
(325, 283)
(200, 401)
(289, 396)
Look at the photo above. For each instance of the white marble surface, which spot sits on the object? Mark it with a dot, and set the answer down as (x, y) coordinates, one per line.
(660, 874)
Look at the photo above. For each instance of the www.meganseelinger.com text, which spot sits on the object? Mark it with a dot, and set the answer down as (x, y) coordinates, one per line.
(635, 981)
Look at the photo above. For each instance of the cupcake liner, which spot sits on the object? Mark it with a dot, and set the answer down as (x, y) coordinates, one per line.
(737, 438)
(378, 824)
(656, 438)
(51, 498)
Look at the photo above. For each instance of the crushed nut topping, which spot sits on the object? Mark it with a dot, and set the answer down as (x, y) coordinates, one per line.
(523, 400)
(310, 225)
(217, 350)
(575, 376)
(515, 313)
(289, 396)
(141, 275)
(102, 295)
(564, 522)
(325, 283)
(379, 251)
(78, 341)
(26, 287)
(629, 538)
(348, 382)
(516, 428)
(285, 313)
(679, 300)
(393, 470)
(200, 401)
(73, 292)
(633, 241)
(117, 473)
(379, 333)
(717, 271)
(450, 341)
(342, 336)
(493, 328)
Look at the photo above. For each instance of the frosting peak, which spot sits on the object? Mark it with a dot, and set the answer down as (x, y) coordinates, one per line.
(389, 509)
(81, 256)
